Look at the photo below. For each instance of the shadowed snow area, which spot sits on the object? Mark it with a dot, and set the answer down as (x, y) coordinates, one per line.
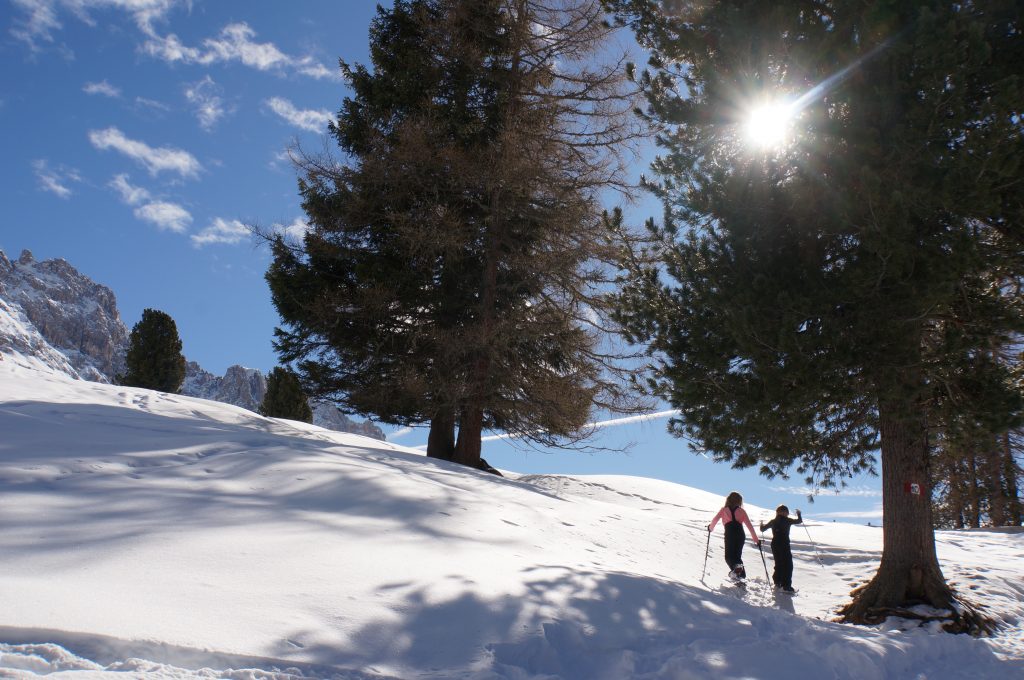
(155, 535)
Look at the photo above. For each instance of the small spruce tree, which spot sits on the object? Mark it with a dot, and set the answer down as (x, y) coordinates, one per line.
(285, 398)
(154, 356)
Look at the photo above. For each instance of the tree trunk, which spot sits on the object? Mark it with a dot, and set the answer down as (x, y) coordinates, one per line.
(1010, 472)
(471, 419)
(956, 494)
(467, 450)
(909, 572)
(997, 490)
(974, 492)
(441, 440)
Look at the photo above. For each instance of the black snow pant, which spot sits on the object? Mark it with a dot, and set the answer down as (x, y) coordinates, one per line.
(783, 556)
(734, 540)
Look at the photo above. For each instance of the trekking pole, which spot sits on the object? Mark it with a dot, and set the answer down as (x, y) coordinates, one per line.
(706, 551)
(764, 562)
(816, 555)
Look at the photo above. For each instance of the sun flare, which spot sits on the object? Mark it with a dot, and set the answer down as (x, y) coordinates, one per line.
(768, 126)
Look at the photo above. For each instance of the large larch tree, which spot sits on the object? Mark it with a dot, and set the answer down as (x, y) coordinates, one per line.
(455, 267)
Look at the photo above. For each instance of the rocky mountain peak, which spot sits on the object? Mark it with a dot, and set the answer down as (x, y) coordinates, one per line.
(77, 316)
(55, 318)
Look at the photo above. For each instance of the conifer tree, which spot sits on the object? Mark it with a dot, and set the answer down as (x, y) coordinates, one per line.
(285, 398)
(831, 290)
(154, 359)
(454, 267)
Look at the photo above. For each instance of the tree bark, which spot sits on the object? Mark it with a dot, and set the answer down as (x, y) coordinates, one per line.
(956, 494)
(468, 446)
(441, 440)
(974, 492)
(467, 450)
(909, 572)
(1012, 489)
(997, 489)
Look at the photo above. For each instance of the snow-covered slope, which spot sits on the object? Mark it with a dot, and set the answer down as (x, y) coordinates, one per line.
(150, 534)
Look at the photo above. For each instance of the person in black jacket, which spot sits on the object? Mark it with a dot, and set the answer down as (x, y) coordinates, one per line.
(781, 552)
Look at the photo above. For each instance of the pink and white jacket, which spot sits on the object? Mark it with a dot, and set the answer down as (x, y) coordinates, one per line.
(726, 515)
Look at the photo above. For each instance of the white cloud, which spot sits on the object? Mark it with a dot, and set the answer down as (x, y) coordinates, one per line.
(55, 180)
(205, 98)
(221, 231)
(236, 42)
(170, 49)
(103, 87)
(130, 194)
(39, 19)
(166, 216)
(151, 104)
(307, 119)
(155, 160)
(293, 231)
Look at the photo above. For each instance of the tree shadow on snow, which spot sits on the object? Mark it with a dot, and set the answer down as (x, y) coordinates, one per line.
(121, 473)
(588, 625)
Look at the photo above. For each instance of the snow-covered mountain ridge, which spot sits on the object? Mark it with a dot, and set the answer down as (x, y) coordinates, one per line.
(74, 315)
(54, 317)
(157, 535)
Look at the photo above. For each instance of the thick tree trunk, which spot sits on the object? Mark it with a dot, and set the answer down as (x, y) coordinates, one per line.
(441, 440)
(467, 450)
(909, 572)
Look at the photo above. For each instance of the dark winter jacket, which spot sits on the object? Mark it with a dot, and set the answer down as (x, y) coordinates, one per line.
(780, 528)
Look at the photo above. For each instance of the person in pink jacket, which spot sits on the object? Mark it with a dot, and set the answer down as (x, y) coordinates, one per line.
(734, 518)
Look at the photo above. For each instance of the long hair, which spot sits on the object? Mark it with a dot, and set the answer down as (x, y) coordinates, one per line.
(734, 500)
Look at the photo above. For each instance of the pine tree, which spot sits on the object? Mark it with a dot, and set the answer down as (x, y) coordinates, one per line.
(835, 293)
(454, 268)
(154, 359)
(285, 398)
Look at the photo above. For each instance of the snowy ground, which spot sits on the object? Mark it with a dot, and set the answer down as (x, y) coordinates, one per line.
(152, 535)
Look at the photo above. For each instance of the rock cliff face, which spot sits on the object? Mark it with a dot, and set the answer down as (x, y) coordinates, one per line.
(246, 387)
(54, 318)
(22, 344)
(240, 386)
(76, 316)
(328, 415)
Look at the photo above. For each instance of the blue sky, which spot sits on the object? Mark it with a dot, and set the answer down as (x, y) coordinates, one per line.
(141, 136)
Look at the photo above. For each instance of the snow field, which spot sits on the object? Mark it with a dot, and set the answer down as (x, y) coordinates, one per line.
(155, 535)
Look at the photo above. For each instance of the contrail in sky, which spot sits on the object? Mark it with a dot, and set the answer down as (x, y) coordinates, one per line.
(612, 422)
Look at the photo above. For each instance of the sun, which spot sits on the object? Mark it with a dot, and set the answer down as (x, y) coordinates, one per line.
(768, 126)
